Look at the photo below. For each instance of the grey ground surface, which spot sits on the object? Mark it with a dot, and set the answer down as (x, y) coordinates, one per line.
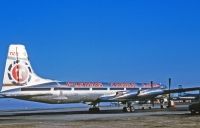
(179, 118)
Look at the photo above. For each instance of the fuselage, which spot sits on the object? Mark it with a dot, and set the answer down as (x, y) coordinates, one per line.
(73, 92)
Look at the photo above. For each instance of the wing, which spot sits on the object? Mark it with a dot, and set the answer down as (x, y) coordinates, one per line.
(181, 90)
(120, 95)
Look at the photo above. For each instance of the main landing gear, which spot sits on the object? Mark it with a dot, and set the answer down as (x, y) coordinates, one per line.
(162, 103)
(128, 107)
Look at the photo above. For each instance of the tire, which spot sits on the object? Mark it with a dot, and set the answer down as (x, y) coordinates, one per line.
(128, 109)
(132, 109)
(124, 109)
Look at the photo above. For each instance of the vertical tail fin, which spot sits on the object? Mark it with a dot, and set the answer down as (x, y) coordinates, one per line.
(18, 70)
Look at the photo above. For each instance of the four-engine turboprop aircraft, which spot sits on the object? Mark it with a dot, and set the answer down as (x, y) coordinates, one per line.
(21, 82)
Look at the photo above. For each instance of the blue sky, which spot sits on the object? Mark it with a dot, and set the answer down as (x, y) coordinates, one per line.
(106, 40)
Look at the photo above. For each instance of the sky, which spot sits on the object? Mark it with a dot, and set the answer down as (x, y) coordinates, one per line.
(106, 40)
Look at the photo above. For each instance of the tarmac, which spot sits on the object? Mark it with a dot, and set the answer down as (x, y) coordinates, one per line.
(109, 117)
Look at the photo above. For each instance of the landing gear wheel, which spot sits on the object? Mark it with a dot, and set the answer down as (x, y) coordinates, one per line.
(124, 109)
(132, 108)
(128, 109)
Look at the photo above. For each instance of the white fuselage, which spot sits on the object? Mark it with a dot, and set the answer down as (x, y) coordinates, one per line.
(60, 92)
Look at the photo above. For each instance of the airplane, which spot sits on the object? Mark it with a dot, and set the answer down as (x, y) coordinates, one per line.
(21, 82)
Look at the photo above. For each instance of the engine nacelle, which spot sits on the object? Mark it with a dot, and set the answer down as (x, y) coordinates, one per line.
(150, 93)
(127, 95)
(120, 95)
